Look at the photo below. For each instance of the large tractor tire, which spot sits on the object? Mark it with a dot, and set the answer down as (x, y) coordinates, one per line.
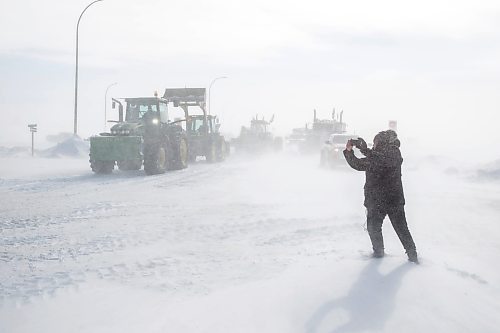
(155, 159)
(278, 144)
(102, 167)
(227, 147)
(180, 155)
(221, 150)
(129, 165)
(211, 154)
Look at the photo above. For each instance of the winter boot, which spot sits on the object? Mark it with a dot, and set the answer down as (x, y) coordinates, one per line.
(412, 256)
(378, 253)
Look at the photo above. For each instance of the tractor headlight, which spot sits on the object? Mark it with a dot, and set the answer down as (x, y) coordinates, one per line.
(155, 121)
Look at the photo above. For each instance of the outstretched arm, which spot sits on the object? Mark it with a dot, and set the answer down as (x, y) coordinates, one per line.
(359, 164)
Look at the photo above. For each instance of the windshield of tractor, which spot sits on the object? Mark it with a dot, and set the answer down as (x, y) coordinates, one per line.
(323, 126)
(137, 109)
(196, 125)
(258, 127)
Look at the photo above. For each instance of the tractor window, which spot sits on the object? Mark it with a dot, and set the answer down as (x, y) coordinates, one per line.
(196, 126)
(136, 111)
(163, 113)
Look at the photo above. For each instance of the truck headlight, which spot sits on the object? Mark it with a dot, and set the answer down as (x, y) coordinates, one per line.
(155, 121)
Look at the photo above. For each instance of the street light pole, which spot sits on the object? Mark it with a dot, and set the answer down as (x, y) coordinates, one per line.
(106, 104)
(76, 69)
(209, 90)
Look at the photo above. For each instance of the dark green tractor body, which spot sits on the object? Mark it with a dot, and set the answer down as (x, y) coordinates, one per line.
(202, 129)
(145, 137)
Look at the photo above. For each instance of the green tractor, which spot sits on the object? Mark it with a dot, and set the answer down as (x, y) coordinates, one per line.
(258, 137)
(145, 137)
(202, 130)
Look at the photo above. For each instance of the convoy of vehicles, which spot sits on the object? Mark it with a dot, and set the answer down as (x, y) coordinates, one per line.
(146, 134)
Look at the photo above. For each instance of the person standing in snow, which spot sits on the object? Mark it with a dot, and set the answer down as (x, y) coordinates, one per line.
(383, 189)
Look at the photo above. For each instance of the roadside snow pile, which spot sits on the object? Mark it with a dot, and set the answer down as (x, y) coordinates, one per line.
(490, 171)
(59, 137)
(15, 152)
(71, 147)
(440, 163)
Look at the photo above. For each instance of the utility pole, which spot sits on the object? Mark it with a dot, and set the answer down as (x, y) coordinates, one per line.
(33, 130)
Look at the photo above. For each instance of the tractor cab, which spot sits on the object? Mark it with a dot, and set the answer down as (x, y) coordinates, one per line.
(140, 109)
(200, 125)
(260, 127)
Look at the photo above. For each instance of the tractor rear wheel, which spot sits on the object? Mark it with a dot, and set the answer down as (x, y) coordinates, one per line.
(212, 152)
(180, 156)
(155, 160)
(221, 150)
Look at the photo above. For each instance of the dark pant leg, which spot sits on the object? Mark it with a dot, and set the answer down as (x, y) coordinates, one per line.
(374, 219)
(398, 220)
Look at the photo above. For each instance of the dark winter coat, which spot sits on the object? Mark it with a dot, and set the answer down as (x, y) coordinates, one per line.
(383, 186)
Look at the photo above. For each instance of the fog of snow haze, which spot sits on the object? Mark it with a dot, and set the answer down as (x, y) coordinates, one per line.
(260, 242)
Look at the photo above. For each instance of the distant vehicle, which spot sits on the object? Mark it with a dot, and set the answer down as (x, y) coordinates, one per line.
(258, 137)
(202, 130)
(310, 138)
(331, 153)
(146, 136)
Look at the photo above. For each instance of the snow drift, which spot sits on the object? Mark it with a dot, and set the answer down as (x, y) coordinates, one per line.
(270, 244)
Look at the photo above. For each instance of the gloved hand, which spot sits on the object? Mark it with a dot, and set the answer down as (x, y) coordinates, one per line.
(362, 146)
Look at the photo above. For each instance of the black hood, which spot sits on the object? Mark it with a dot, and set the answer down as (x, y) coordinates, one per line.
(386, 138)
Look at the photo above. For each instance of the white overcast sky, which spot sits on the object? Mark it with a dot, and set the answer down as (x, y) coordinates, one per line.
(431, 65)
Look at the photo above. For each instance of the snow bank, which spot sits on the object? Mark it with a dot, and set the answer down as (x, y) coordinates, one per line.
(490, 171)
(15, 152)
(69, 147)
(248, 245)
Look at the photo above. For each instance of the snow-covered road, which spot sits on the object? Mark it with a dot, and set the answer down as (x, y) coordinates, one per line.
(269, 244)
